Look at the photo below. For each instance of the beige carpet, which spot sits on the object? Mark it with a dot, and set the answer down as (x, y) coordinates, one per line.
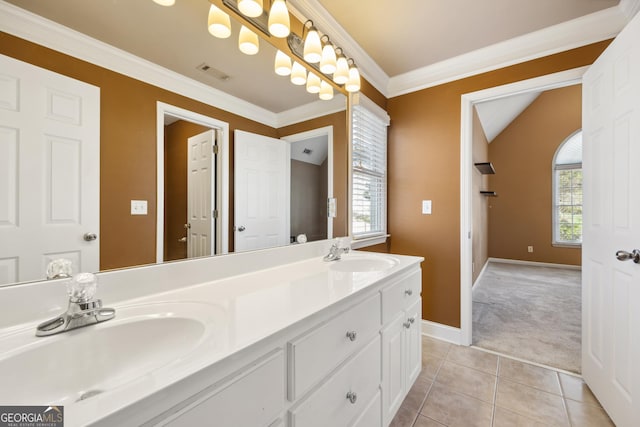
(533, 313)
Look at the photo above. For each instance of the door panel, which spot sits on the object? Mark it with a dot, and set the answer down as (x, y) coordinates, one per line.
(611, 288)
(201, 185)
(49, 171)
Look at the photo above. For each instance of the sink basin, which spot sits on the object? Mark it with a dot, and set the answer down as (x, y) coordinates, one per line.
(353, 263)
(85, 362)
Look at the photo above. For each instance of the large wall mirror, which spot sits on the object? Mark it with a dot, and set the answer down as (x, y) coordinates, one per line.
(150, 205)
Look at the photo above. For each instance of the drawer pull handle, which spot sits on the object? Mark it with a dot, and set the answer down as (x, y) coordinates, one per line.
(351, 335)
(412, 319)
(352, 397)
(408, 292)
(407, 325)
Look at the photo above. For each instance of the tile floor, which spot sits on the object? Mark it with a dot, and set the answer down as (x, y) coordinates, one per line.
(463, 386)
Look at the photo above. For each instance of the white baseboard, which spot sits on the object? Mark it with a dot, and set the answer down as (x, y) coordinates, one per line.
(484, 268)
(441, 332)
(534, 263)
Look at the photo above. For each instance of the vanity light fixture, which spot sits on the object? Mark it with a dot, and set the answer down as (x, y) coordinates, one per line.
(326, 91)
(219, 23)
(250, 8)
(353, 84)
(313, 83)
(312, 52)
(282, 65)
(165, 2)
(328, 60)
(248, 41)
(341, 75)
(279, 24)
(298, 74)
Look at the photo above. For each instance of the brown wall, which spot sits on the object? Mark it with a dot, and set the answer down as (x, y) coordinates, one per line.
(175, 185)
(340, 160)
(522, 154)
(424, 163)
(309, 200)
(127, 148)
(479, 202)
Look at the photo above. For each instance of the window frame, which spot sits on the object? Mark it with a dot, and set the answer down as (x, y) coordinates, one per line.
(555, 242)
(376, 237)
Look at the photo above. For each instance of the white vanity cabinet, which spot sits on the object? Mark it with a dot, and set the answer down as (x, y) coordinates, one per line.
(401, 343)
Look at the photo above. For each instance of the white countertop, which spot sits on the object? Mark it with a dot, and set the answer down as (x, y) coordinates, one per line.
(238, 311)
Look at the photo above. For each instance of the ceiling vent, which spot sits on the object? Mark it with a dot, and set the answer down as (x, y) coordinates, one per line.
(213, 72)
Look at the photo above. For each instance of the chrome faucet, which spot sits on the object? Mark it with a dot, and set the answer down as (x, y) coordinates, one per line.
(83, 310)
(336, 251)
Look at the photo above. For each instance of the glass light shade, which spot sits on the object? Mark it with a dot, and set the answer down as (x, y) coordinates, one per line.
(298, 74)
(165, 2)
(250, 8)
(313, 83)
(279, 25)
(328, 61)
(219, 23)
(341, 75)
(248, 41)
(312, 47)
(283, 64)
(326, 91)
(353, 84)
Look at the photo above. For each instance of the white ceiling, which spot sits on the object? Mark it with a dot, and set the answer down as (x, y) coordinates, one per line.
(496, 115)
(318, 145)
(419, 43)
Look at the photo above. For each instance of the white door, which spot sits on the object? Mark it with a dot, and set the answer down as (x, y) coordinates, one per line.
(49, 171)
(200, 185)
(611, 288)
(261, 171)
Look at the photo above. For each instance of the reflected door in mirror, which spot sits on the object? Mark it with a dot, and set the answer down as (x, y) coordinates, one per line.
(200, 183)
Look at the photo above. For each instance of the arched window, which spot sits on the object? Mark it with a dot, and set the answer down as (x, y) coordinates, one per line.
(567, 192)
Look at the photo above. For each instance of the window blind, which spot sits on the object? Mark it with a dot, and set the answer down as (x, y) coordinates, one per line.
(369, 173)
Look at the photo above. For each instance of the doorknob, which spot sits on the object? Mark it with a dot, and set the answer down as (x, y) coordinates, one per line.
(90, 236)
(241, 228)
(626, 256)
(182, 239)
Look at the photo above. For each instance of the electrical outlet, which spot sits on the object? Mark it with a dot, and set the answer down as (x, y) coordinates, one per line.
(530, 249)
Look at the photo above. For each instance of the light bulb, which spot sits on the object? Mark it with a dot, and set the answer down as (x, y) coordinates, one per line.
(326, 91)
(312, 47)
(328, 61)
(165, 2)
(283, 64)
(248, 41)
(250, 8)
(341, 75)
(279, 25)
(298, 74)
(313, 83)
(219, 23)
(353, 84)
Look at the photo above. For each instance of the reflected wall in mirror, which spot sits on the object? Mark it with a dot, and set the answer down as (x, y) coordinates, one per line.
(128, 105)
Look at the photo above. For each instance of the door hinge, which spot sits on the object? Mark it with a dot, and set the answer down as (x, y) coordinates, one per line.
(215, 149)
(215, 213)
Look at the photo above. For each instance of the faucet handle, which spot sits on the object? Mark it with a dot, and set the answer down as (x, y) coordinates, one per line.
(59, 268)
(82, 288)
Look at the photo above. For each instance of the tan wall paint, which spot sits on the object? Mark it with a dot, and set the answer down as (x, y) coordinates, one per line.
(479, 203)
(523, 155)
(128, 149)
(424, 163)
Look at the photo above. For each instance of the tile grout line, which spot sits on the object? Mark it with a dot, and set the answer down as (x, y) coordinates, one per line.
(429, 391)
(495, 392)
(564, 400)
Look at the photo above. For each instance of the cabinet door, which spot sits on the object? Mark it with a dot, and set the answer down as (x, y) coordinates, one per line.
(393, 372)
(413, 343)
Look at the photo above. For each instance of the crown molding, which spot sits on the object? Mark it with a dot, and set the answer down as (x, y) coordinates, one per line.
(310, 111)
(322, 19)
(36, 29)
(578, 32)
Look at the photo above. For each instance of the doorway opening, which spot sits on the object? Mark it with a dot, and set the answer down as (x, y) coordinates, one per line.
(209, 192)
(471, 199)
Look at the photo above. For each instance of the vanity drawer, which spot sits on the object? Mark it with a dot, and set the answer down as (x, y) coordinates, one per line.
(372, 414)
(329, 405)
(253, 398)
(313, 355)
(400, 295)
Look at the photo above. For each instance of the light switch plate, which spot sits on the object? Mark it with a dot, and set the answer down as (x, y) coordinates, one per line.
(331, 207)
(138, 207)
(426, 207)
